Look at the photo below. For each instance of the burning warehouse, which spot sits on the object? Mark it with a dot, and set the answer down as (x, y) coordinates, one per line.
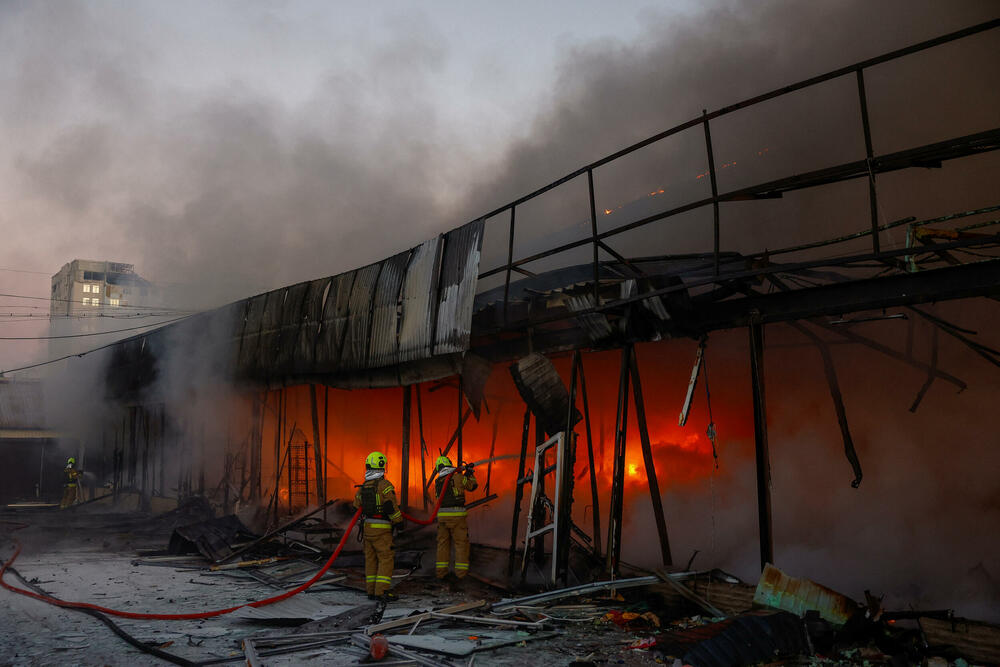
(598, 374)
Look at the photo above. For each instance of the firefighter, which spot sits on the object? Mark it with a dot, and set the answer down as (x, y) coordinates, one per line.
(453, 527)
(377, 500)
(72, 477)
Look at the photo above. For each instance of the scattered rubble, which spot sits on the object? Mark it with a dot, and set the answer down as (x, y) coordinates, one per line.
(701, 619)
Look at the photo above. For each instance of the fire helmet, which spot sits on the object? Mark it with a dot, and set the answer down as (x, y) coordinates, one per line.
(375, 461)
(442, 462)
(70, 461)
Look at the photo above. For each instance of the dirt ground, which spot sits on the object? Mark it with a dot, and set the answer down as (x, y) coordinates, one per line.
(92, 557)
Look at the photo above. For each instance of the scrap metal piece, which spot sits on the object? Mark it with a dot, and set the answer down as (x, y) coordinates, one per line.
(686, 592)
(582, 589)
(777, 590)
(838, 400)
(543, 390)
(692, 384)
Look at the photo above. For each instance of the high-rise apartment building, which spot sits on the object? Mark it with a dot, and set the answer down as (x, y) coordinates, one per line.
(87, 287)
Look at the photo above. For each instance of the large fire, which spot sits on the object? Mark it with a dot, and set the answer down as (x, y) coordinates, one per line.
(357, 422)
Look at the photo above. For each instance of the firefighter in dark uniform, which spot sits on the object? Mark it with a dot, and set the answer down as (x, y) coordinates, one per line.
(453, 526)
(72, 482)
(377, 500)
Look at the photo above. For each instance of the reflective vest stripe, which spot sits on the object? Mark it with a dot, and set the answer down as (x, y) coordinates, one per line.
(456, 511)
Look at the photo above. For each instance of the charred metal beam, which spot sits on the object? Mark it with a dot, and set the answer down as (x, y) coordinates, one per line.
(953, 282)
(518, 492)
(564, 501)
(595, 503)
(614, 550)
(838, 400)
(988, 353)
(930, 375)
(404, 471)
(317, 449)
(649, 463)
(760, 444)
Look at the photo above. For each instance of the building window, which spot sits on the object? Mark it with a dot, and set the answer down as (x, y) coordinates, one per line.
(86, 300)
(95, 301)
(113, 302)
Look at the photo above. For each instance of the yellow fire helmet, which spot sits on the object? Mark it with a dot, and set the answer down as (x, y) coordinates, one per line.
(442, 462)
(70, 461)
(375, 461)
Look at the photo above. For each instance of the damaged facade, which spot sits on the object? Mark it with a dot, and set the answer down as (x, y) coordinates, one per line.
(429, 328)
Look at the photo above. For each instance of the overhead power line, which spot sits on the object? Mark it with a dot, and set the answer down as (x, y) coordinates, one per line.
(95, 333)
(79, 354)
(51, 299)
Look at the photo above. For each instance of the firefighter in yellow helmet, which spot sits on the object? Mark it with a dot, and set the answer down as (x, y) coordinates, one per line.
(377, 500)
(72, 480)
(453, 526)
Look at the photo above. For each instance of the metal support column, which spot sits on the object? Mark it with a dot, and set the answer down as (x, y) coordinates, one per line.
(595, 502)
(404, 471)
(614, 551)
(760, 442)
(518, 492)
(650, 464)
(317, 450)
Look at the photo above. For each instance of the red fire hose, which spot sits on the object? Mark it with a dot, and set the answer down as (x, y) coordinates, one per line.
(204, 614)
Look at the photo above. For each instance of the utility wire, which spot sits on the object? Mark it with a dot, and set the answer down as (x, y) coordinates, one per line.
(95, 333)
(46, 298)
(67, 356)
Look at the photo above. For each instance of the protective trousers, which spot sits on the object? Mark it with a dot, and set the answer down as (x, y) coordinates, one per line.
(452, 529)
(69, 496)
(380, 558)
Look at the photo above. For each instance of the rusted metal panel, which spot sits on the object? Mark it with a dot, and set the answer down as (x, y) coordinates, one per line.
(457, 288)
(354, 351)
(383, 346)
(780, 591)
(419, 302)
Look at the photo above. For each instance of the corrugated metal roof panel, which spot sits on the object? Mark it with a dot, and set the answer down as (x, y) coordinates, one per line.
(291, 321)
(419, 302)
(595, 324)
(333, 323)
(248, 359)
(21, 404)
(457, 291)
(267, 343)
(354, 351)
(312, 312)
(383, 348)
(543, 391)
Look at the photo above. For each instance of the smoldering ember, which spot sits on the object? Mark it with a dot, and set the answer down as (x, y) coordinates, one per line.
(723, 396)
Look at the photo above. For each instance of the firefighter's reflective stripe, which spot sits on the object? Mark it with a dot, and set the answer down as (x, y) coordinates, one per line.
(461, 566)
(396, 516)
(383, 580)
(369, 577)
(441, 565)
(378, 523)
(452, 511)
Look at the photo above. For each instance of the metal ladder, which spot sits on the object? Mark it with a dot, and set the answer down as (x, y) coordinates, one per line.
(539, 474)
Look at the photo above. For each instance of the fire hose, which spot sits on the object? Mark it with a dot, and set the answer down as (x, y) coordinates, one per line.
(204, 614)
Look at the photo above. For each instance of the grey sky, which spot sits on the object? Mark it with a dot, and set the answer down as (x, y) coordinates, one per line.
(239, 146)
